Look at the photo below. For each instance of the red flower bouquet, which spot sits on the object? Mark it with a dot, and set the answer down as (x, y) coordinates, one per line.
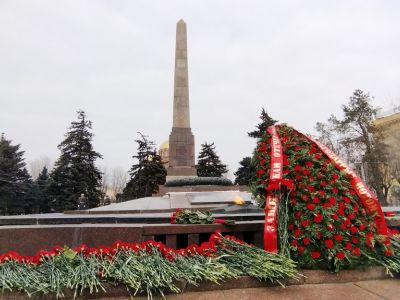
(329, 225)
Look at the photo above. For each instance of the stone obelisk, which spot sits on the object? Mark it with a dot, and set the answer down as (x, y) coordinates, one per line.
(181, 139)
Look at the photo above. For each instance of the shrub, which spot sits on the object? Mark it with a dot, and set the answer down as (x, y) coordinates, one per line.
(199, 181)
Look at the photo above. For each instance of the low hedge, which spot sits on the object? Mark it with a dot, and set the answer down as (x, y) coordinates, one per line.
(199, 181)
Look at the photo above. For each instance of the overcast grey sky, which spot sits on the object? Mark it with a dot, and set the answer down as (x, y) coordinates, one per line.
(299, 59)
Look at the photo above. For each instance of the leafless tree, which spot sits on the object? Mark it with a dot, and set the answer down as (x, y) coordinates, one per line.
(119, 179)
(105, 180)
(36, 166)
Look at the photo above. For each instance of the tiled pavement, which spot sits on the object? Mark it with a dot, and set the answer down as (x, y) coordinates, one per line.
(388, 289)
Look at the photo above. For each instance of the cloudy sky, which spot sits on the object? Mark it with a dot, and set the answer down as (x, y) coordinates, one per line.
(114, 59)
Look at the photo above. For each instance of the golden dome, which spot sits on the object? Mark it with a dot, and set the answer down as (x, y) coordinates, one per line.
(164, 145)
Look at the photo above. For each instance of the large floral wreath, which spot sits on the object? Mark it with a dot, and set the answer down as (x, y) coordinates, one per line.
(322, 222)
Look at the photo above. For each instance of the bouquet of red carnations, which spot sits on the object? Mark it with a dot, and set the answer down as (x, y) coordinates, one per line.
(186, 216)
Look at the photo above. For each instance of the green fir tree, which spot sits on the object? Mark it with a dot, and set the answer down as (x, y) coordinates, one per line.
(15, 181)
(209, 163)
(40, 193)
(75, 172)
(266, 121)
(147, 174)
(245, 172)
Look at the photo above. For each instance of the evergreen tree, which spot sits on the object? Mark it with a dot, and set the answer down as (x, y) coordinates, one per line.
(75, 172)
(208, 162)
(266, 121)
(147, 174)
(40, 186)
(245, 172)
(14, 179)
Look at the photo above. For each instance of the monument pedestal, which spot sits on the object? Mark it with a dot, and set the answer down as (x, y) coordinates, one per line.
(181, 152)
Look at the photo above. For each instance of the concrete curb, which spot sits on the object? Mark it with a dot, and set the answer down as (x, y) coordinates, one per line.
(308, 277)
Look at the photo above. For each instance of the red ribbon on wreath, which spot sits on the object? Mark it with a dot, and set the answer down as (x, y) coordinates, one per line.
(272, 200)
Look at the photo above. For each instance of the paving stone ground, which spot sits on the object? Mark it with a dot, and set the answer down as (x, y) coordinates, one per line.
(388, 289)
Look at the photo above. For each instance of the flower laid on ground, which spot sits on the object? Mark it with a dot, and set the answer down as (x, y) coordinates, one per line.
(148, 267)
(186, 216)
(322, 221)
(390, 214)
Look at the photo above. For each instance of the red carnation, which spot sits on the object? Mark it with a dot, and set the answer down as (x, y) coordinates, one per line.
(290, 226)
(310, 206)
(309, 164)
(306, 172)
(349, 246)
(306, 241)
(222, 221)
(354, 240)
(316, 200)
(305, 197)
(362, 227)
(297, 232)
(323, 183)
(356, 251)
(260, 172)
(340, 255)
(297, 214)
(328, 244)
(330, 227)
(352, 216)
(312, 149)
(262, 147)
(297, 176)
(319, 235)
(289, 184)
(318, 218)
(317, 156)
(294, 243)
(304, 223)
(297, 148)
(315, 254)
(388, 253)
(332, 200)
(297, 168)
(300, 249)
(338, 237)
(310, 188)
(335, 216)
(335, 176)
(346, 199)
(326, 205)
(321, 193)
